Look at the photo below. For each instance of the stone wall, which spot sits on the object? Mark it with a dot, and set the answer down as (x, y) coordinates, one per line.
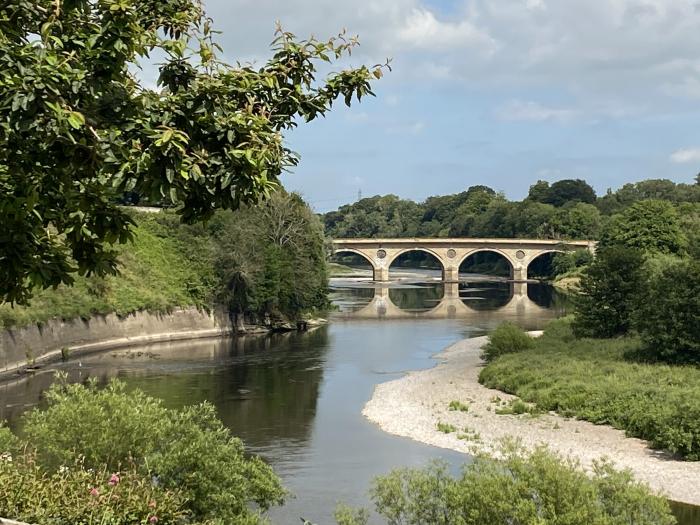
(57, 339)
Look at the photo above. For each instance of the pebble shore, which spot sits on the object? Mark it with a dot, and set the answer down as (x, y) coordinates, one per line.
(413, 405)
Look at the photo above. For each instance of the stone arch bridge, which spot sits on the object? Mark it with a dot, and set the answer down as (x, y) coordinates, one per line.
(451, 253)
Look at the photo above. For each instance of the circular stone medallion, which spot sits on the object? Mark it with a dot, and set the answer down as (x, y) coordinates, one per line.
(451, 253)
(381, 254)
(520, 254)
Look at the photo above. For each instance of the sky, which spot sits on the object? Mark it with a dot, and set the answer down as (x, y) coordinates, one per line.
(495, 92)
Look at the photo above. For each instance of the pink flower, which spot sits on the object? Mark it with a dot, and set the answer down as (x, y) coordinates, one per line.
(113, 480)
(153, 519)
(94, 492)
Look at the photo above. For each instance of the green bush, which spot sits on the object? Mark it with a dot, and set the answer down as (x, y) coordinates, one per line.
(668, 314)
(505, 339)
(524, 487)
(75, 495)
(188, 450)
(570, 261)
(608, 293)
(593, 379)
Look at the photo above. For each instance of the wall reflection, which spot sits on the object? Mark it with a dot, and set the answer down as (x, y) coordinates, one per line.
(261, 382)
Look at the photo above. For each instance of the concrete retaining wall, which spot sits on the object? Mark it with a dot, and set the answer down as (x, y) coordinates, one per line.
(52, 340)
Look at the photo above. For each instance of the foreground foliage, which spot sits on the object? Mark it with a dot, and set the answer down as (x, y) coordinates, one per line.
(523, 487)
(596, 380)
(78, 495)
(77, 126)
(86, 432)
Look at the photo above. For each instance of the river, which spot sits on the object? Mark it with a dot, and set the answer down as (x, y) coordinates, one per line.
(296, 399)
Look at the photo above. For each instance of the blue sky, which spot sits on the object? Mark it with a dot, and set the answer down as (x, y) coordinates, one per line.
(495, 92)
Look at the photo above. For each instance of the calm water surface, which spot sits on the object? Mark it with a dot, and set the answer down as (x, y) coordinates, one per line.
(296, 399)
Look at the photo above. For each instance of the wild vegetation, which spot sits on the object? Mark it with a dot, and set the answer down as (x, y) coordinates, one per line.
(259, 259)
(100, 455)
(523, 487)
(602, 381)
(505, 339)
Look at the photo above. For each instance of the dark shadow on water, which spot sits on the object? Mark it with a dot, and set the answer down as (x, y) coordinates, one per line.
(417, 297)
(483, 296)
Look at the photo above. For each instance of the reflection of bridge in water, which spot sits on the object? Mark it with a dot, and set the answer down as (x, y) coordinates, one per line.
(453, 306)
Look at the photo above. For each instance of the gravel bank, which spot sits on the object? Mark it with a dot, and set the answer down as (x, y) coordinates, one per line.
(413, 405)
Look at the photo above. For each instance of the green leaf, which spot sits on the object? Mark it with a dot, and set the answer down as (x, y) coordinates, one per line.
(76, 120)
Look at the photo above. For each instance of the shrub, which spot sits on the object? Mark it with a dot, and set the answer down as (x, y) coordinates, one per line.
(570, 261)
(592, 379)
(524, 487)
(9, 444)
(668, 314)
(458, 406)
(188, 450)
(76, 495)
(505, 339)
(446, 428)
(608, 293)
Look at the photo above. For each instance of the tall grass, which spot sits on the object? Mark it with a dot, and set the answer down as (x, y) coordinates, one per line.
(597, 380)
(158, 273)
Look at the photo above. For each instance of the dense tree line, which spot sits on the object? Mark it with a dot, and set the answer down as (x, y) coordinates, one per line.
(567, 209)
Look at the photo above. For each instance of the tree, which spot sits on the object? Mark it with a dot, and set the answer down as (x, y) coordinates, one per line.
(652, 226)
(569, 190)
(538, 191)
(77, 126)
(579, 221)
(668, 313)
(607, 293)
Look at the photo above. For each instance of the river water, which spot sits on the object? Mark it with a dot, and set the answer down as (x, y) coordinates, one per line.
(296, 399)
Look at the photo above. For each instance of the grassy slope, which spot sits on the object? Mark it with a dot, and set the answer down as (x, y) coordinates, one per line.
(592, 379)
(156, 275)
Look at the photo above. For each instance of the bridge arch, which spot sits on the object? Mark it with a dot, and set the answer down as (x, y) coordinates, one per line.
(434, 254)
(362, 254)
(503, 254)
(534, 257)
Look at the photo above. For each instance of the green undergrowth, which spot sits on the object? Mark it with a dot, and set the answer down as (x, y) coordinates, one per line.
(599, 381)
(158, 273)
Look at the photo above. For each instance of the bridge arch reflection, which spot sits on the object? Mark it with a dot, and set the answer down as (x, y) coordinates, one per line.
(453, 306)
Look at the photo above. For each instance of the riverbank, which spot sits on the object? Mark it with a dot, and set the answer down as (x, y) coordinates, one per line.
(414, 405)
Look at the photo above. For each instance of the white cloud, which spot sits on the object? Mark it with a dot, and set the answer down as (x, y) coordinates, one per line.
(421, 29)
(598, 52)
(535, 4)
(685, 155)
(533, 111)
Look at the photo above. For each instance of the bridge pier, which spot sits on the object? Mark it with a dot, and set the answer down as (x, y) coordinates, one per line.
(380, 274)
(451, 290)
(520, 273)
(450, 274)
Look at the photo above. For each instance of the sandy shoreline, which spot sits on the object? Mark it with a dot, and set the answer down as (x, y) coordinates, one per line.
(413, 405)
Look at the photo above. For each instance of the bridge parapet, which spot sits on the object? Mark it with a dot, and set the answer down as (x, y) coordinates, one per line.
(380, 253)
